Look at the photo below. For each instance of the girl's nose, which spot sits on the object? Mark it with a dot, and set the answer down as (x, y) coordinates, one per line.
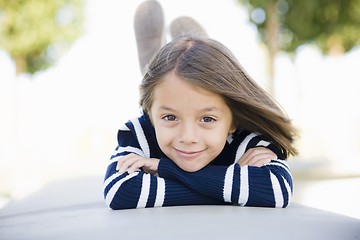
(188, 133)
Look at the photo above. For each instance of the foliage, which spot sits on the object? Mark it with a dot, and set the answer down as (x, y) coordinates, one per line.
(330, 24)
(37, 32)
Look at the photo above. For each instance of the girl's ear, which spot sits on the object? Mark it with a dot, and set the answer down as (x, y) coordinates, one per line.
(232, 128)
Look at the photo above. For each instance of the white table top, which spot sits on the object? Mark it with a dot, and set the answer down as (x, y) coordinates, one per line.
(75, 210)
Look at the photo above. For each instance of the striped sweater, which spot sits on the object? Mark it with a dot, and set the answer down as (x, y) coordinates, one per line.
(221, 182)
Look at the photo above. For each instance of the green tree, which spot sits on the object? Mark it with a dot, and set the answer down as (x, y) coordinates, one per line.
(284, 25)
(37, 32)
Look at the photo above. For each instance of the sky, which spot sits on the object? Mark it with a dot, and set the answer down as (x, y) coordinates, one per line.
(62, 122)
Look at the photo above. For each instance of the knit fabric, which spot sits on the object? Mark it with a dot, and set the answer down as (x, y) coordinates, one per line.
(223, 181)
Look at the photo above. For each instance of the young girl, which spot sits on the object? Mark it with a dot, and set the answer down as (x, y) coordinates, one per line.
(208, 135)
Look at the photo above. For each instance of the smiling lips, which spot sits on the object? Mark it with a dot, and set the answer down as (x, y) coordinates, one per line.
(188, 154)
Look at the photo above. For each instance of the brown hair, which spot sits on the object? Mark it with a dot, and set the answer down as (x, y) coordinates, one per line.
(210, 65)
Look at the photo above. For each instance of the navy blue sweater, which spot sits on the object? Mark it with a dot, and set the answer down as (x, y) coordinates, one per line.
(221, 182)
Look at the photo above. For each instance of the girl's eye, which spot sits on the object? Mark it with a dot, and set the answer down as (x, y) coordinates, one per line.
(207, 119)
(169, 118)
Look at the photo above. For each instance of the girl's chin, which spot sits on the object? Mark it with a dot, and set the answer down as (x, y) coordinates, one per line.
(189, 167)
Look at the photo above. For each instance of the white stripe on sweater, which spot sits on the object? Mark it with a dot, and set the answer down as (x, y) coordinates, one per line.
(278, 195)
(111, 193)
(145, 190)
(123, 127)
(141, 137)
(110, 179)
(160, 194)
(229, 138)
(244, 185)
(115, 159)
(284, 162)
(263, 143)
(241, 149)
(280, 165)
(228, 182)
(130, 150)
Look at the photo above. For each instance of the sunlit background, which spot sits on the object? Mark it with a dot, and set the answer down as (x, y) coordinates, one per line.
(61, 123)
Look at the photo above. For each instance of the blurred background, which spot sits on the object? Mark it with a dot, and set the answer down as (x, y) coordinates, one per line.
(69, 78)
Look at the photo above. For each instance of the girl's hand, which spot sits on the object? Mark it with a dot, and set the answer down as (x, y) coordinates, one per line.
(257, 157)
(132, 162)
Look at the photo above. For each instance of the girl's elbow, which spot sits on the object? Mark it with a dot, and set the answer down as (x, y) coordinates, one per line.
(119, 206)
(120, 201)
(285, 204)
(114, 207)
(282, 200)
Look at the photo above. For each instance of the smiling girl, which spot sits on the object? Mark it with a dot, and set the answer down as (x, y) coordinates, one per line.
(208, 135)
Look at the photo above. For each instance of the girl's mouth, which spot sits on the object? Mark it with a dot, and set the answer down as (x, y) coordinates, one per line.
(188, 154)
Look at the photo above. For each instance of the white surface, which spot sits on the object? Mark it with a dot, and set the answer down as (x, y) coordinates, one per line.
(75, 210)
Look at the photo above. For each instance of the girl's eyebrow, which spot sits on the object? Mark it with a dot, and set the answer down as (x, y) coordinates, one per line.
(211, 109)
(166, 108)
(206, 109)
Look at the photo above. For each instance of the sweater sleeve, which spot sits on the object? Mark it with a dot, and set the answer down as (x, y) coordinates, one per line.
(140, 189)
(267, 186)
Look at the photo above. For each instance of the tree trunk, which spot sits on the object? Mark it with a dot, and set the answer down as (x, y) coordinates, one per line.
(272, 27)
(20, 65)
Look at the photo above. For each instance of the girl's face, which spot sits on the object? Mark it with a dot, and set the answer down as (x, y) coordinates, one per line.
(191, 123)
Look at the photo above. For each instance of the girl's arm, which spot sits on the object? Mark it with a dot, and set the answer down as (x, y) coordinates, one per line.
(267, 186)
(140, 189)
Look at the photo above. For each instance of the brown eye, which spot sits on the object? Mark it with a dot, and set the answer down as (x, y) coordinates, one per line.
(207, 119)
(169, 118)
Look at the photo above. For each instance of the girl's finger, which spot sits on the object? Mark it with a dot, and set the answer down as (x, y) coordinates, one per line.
(135, 166)
(249, 154)
(128, 163)
(253, 155)
(120, 162)
(122, 159)
(260, 160)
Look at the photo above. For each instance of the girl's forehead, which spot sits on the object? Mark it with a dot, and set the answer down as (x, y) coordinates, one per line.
(173, 83)
(175, 92)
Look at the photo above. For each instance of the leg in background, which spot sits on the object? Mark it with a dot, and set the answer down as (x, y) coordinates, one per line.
(148, 26)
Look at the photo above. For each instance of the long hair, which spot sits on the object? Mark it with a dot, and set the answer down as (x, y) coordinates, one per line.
(210, 65)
